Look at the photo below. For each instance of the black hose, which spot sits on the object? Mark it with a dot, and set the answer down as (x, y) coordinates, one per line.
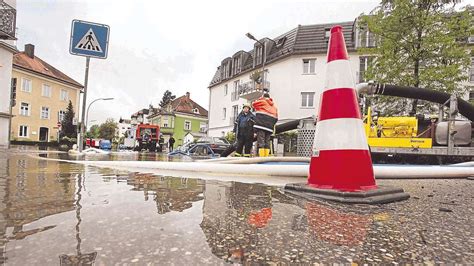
(278, 129)
(464, 107)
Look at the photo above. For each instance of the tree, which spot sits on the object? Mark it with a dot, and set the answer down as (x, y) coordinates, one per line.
(419, 43)
(67, 128)
(107, 129)
(93, 132)
(167, 98)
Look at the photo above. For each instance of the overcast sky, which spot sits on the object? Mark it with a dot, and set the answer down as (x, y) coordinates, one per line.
(160, 45)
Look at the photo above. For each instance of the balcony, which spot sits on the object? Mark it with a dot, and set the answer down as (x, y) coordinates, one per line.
(7, 21)
(251, 90)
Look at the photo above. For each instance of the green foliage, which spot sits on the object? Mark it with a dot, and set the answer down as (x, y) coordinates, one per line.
(67, 128)
(257, 76)
(93, 132)
(107, 129)
(420, 43)
(167, 98)
(230, 137)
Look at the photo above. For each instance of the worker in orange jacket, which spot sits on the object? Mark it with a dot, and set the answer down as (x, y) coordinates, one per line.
(266, 116)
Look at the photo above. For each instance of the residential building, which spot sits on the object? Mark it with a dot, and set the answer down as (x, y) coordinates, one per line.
(295, 73)
(122, 127)
(43, 94)
(141, 116)
(7, 49)
(180, 117)
(295, 64)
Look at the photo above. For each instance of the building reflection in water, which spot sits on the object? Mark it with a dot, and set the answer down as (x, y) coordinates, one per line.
(31, 190)
(169, 193)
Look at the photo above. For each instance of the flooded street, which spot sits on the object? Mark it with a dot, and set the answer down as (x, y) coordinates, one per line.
(61, 213)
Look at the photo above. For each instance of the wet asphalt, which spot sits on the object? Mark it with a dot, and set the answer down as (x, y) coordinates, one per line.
(61, 213)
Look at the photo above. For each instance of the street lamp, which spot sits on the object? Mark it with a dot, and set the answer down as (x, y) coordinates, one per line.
(87, 113)
(264, 56)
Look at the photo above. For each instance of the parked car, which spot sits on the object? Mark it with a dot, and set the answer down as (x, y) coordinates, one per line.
(105, 144)
(194, 150)
(218, 145)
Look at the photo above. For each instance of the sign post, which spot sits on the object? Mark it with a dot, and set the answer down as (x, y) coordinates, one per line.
(90, 40)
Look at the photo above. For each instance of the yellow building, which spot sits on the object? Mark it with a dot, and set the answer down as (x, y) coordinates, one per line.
(43, 94)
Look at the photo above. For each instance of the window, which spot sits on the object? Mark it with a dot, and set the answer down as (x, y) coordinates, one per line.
(309, 66)
(187, 125)
(202, 127)
(364, 63)
(307, 99)
(196, 111)
(471, 71)
(26, 85)
(25, 109)
(64, 95)
(236, 65)
(235, 92)
(327, 34)
(471, 96)
(226, 89)
(258, 55)
(224, 113)
(44, 112)
(61, 115)
(235, 111)
(46, 90)
(165, 122)
(365, 38)
(23, 132)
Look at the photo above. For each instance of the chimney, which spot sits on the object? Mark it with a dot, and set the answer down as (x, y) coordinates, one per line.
(187, 95)
(30, 50)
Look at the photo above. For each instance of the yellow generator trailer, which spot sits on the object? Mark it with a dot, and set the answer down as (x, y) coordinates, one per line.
(394, 132)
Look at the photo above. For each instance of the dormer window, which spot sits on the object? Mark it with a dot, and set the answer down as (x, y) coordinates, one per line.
(227, 68)
(258, 55)
(237, 65)
(327, 34)
(196, 111)
(281, 42)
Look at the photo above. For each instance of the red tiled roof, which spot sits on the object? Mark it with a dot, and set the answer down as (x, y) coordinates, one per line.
(184, 104)
(23, 61)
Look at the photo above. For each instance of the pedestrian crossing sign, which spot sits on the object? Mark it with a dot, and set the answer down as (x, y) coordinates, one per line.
(89, 39)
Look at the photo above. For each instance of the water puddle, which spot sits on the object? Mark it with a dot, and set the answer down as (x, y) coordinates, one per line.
(60, 213)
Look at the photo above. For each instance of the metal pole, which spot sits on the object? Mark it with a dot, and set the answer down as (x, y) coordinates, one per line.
(10, 124)
(263, 64)
(87, 113)
(80, 140)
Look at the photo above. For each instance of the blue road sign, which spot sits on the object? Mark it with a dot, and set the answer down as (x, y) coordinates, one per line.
(89, 39)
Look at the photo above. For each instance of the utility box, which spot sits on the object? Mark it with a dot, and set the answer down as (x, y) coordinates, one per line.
(462, 137)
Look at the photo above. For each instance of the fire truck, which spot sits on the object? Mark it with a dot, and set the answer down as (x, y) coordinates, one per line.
(142, 137)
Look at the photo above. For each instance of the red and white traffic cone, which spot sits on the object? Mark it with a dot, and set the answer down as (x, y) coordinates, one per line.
(341, 167)
(341, 158)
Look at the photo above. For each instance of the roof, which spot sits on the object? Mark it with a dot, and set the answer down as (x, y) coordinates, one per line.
(196, 134)
(184, 104)
(8, 47)
(303, 39)
(38, 66)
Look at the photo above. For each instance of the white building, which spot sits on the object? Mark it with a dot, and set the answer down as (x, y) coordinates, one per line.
(296, 69)
(295, 74)
(123, 126)
(7, 49)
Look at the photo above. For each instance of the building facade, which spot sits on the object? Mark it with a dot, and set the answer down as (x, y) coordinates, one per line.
(7, 49)
(180, 117)
(295, 74)
(295, 64)
(43, 94)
